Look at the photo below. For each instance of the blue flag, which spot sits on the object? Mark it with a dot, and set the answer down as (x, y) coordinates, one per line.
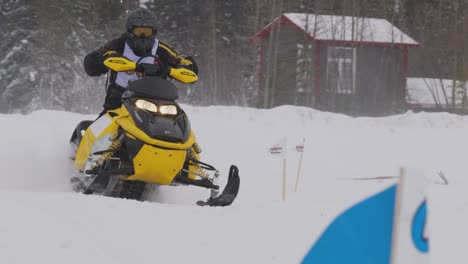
(360, 235)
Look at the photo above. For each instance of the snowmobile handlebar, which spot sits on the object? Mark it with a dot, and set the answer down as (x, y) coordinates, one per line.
(122, 64)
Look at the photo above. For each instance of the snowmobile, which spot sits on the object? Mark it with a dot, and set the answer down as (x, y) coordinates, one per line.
(147, 141)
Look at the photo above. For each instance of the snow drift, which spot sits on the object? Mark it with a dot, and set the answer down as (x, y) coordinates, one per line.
(43, 221)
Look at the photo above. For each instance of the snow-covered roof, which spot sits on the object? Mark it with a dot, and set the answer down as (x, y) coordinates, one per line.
(347, 28)
(432, 93)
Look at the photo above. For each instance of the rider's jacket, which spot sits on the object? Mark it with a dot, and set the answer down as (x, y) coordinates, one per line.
(93, 65)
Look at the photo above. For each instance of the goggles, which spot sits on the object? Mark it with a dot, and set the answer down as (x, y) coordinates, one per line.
(142, 32)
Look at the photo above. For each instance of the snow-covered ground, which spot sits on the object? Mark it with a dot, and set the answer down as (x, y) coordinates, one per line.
(42, 221)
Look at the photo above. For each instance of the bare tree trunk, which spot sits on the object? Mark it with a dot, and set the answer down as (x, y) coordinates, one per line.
(463, 66)
(214, 81)
(315, 60)
(455, 59)
(257, 74)
(257, 15)
(266, 88)
(306, 82)
(454, 83)
(275, 56)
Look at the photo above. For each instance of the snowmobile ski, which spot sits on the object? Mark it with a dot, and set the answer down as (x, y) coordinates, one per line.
(229, 193)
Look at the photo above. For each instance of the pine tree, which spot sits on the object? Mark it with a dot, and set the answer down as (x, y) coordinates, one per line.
(18, 75)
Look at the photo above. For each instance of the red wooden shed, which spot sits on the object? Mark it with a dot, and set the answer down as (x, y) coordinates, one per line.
(345, 64)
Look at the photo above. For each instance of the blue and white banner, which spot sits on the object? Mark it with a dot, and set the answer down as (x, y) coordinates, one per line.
(387, 228)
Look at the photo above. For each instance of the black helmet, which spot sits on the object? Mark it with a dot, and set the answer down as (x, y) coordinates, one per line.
(141, 17)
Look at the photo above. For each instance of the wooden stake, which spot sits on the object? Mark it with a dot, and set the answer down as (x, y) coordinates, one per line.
(284, 179)
(299, 166)
(298, 171)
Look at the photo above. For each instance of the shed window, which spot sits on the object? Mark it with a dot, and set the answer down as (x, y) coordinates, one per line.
(341, 70)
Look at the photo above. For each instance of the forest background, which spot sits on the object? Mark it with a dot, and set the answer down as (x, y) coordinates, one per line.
(43, 43)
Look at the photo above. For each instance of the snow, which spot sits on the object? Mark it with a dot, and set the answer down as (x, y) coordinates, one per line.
(13, 83)
(347, 28)
(32, 75)
(144, 3)
(12, 52)
(430, 93)
(42, 221)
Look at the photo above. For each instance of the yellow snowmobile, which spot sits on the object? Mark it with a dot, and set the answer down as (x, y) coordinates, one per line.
(148, 140)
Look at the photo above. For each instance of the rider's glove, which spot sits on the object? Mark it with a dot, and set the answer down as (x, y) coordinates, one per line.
(194, 64)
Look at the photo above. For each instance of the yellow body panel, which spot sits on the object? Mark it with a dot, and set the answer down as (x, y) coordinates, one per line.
(157, 165)
(156, 162)
(84, 149)
(86, 144)
(127, 124)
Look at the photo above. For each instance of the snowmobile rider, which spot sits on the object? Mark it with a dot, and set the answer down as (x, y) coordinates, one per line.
(138, 42)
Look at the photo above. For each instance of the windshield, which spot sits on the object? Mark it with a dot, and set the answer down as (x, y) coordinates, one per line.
(153, 87)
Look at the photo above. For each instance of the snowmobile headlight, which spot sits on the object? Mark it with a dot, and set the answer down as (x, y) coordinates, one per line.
(168, 109)
(145, 105)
